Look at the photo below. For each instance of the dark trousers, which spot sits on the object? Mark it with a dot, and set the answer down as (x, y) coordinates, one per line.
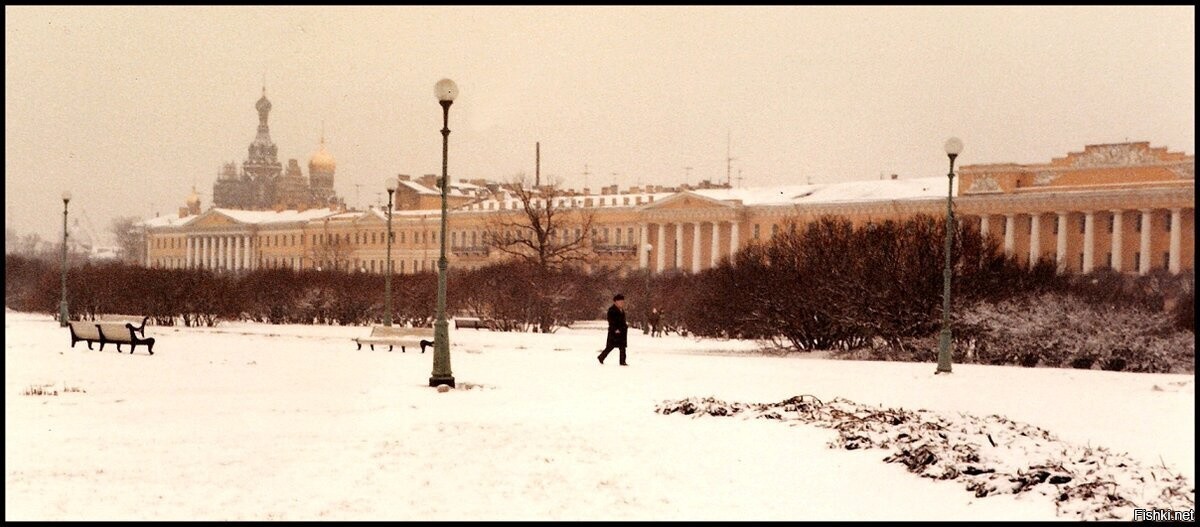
(604, 354)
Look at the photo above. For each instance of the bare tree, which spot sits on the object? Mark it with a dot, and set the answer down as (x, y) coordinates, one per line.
(543, 230)
(548, 232)
(330, 251)
(131, 238)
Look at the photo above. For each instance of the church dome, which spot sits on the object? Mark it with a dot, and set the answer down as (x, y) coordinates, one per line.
(322, 160)
(263, 105)
(193, 197)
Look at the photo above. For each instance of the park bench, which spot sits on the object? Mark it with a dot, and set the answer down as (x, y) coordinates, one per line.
(111, 333)
(470, 322)
(397, 336)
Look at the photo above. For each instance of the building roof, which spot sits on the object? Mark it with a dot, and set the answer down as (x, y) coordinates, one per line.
(849, 191)
(270, 216)
(170, 220)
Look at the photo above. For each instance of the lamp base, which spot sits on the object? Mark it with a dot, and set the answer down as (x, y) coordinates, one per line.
(435, 381)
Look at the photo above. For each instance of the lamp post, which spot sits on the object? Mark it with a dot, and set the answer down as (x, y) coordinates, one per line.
(63, 315)
(953, 147)
(391, 184)
(446, 91)
(649, 301)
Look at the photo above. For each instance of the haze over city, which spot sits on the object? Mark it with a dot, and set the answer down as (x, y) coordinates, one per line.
(129, 107)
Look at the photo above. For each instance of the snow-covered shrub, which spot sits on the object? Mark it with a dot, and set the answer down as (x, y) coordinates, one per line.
(1068, 331)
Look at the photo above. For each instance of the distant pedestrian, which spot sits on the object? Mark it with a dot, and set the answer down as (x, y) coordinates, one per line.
(655, 322)
(617, 330)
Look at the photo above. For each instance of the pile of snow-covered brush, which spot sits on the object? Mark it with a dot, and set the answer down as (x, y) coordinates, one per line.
(992, 454)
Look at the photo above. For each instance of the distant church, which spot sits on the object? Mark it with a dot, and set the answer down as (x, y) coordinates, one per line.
(263, 184)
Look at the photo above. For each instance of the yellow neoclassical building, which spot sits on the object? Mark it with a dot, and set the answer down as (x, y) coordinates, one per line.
(1126, 206)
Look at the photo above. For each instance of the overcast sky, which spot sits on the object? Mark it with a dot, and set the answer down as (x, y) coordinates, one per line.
(129, 107)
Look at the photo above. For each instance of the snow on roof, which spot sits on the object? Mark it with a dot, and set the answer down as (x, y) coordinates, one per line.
(455, 188)
(868, 190)
(172, 220)
(270, 216)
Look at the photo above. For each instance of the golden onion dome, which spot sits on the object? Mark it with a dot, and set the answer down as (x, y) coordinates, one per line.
(193, 197)
(322, 160)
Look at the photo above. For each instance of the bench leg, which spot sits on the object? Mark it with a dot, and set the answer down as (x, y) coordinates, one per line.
(391, 347)
(403, 349)
(359, 346)
(150, 348)
(89, 343)
(425, 343)
(119, 348)
(372, 347)
(102, 345)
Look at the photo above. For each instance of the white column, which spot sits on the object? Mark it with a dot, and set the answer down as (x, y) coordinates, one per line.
(207, 253)
(1117, 246)
(660, 259)
(237, 253)
(679, 246)
(225, 247)
(1010, 231)
(1144, 261)
(733, 239)
(189, 253)
(1035, 238)
(983, 227)
(246, 252)
(1060, 250)
(1176, 240)
(715, 256)
(696, 247)
(643, 256)
(1089, 241)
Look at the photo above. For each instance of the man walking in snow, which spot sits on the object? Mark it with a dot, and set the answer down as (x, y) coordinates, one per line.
(617, 329)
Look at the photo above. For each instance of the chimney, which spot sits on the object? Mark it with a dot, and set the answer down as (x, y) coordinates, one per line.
(895, 176)
(183, 212)
(404, 177)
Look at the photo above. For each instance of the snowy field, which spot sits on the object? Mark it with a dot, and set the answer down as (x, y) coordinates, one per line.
(259, 422)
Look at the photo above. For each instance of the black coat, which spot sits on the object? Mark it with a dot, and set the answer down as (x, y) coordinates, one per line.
(617, 328)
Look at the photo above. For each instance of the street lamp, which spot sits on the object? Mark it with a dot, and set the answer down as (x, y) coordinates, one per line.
(62, 305)
(954, 146)
(649, 301)
(446, 91)
(391, 184)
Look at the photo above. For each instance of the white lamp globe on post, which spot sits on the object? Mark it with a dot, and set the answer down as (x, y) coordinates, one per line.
(63, 314)
(446, 91)
(390, 184)
(953, 147)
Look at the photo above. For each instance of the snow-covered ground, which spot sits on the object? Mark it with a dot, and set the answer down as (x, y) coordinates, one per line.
(251, 421)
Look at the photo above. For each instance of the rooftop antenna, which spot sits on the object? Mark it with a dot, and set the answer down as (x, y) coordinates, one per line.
(585, 175)
(728, 158)
(357, 186)
(614, 175)
(739, 178)
(687, 175)
(537, 164)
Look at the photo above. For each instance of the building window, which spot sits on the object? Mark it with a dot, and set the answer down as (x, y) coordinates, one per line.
(756, 231)
(1137, 260)
(1168, 223)
(1004, 228)
(1081, 260)
(605, 234)
(1138, 223)
(618, 236)
(1112, 223)
(1110, 260)
(1166, 260)
(774, 230)
(1055, 231)
(1083, 225)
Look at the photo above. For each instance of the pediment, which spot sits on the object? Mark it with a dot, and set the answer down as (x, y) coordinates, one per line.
(687, 200)
(213, 218)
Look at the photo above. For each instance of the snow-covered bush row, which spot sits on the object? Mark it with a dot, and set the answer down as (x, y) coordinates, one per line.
(989, 455)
